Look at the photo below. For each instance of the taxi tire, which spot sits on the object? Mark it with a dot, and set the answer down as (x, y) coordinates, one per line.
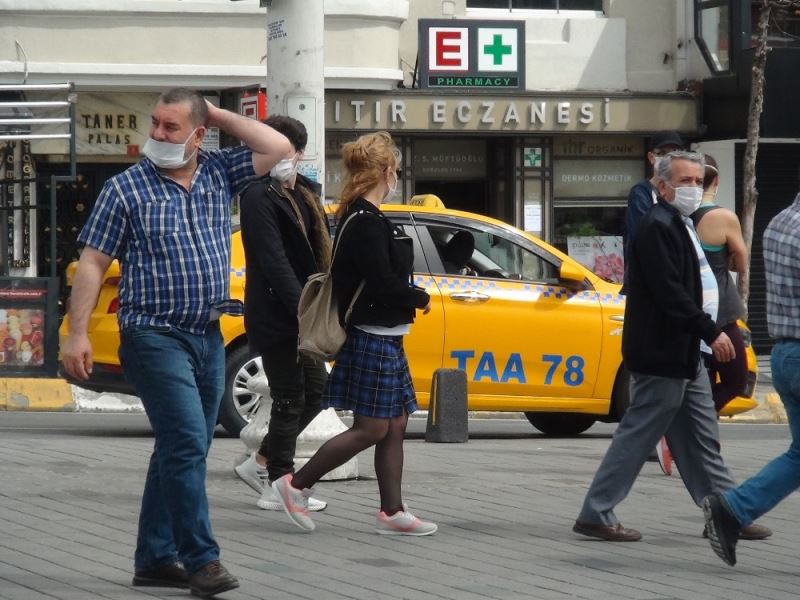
(229, 417)
(560, 424)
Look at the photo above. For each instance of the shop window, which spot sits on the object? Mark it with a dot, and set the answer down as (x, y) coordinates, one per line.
(591, 235)
(592, 176)
(713, 33)
(583, 5)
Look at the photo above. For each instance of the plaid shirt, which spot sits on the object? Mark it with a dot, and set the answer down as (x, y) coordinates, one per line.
(173, 245)
(782, 267)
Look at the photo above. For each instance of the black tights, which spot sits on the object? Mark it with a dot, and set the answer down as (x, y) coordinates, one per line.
(387, 437)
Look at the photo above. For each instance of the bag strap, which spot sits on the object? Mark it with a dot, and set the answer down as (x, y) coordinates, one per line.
(333, 255)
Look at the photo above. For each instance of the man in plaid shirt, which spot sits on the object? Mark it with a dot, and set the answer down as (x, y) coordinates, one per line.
(167, 220)
(727, 513)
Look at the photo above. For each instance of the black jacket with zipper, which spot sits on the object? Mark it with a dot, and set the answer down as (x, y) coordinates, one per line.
(280, 255)
(664, 318)
(374, 250)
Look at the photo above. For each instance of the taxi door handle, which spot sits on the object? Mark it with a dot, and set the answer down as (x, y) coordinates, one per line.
(472, 297)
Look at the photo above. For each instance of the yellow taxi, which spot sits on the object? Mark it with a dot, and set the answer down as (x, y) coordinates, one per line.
(535, 331)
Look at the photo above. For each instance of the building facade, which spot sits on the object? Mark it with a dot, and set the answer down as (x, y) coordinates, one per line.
(547, 129)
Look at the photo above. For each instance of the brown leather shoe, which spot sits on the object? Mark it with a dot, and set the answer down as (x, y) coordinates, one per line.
(211, 579)
(609, 533)
(171, 575)
(754, 531)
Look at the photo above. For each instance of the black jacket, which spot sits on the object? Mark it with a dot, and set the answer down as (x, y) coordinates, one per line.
(279, 257)
(381, 254)
(664, 319)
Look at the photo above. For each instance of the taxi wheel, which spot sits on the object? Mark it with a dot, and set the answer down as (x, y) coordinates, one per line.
(560, 424)
(239, 401)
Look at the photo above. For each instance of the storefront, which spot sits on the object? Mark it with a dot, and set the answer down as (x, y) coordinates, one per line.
(111, 128)
(559, 166)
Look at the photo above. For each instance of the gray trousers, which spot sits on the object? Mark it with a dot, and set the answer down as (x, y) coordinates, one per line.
(681, 409)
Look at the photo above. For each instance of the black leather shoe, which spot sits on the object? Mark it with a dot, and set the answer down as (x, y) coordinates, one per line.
(172, 575)
(609, 533)
(723, 528)
(211, 579)
(754, 531)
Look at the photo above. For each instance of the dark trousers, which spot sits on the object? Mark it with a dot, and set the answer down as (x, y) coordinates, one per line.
(296, 386)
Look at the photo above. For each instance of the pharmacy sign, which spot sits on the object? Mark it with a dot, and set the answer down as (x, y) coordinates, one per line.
(472, 54)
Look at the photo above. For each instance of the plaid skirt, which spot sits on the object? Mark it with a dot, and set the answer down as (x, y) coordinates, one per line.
(371, 377)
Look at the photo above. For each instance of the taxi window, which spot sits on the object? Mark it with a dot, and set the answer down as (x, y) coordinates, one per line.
(471, 252)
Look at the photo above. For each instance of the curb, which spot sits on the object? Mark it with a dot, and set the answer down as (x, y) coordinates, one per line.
(32, 394)
(770, 409)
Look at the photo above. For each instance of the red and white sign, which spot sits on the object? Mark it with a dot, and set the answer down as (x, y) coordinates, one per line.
(449, 49)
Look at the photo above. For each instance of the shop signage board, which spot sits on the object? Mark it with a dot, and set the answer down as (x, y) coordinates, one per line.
(28, 327)
(469, 53)
(441, 159)
(427, 111)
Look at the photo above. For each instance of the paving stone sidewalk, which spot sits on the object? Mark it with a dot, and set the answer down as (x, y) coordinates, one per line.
(504, 503)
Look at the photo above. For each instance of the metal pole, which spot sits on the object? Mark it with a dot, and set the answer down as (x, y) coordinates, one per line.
(295, 73)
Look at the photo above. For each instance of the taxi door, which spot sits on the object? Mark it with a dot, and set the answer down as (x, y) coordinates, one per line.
(424, 345)
(525, 341)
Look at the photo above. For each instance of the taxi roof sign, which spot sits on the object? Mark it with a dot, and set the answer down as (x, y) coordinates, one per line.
(430, 200)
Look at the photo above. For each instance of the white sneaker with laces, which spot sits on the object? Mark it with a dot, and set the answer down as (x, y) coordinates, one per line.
(294, 502)
(269, 501)
(403, 523)
(252, 473)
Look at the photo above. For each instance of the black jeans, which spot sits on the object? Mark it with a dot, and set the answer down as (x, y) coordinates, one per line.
(296, 386)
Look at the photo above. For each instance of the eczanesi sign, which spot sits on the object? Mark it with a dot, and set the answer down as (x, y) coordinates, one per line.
(422, 112)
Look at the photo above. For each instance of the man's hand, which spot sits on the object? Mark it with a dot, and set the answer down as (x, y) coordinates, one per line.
(427, 309)
(77, 356)
(723, 349)
(268, 145)
(214, 115)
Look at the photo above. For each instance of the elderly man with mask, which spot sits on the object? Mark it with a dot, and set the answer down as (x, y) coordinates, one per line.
(167, 220)
(669, 320)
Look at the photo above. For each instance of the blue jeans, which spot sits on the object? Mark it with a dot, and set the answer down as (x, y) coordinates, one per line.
(180, 378)
(779, 478)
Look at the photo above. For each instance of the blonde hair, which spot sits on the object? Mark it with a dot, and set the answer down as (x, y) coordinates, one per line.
(366, 160)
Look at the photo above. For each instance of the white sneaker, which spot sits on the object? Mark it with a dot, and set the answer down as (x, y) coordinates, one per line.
(269, 501)
(294, 502)
(403, 523)
(252, 473)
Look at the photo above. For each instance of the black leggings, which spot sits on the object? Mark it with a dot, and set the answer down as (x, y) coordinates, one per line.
(387, 437)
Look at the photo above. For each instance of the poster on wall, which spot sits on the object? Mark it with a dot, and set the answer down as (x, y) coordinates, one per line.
(601, 254)
(28, 326)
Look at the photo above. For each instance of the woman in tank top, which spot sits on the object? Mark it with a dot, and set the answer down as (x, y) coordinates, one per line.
(720, 234)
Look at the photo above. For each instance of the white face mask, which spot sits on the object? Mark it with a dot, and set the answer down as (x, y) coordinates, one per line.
(393, 189)
(284, 170)
(167, 155)
(687, 199)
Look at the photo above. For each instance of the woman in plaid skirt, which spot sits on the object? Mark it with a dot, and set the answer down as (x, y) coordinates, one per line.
(371, 376)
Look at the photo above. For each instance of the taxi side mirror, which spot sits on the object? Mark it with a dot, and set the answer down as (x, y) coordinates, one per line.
(570, 275)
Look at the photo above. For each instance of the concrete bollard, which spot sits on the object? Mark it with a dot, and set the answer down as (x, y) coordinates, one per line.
(447, 410)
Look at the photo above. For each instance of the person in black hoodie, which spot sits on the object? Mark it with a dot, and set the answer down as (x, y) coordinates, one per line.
(370, 375)
(285, 238)
(670, 315)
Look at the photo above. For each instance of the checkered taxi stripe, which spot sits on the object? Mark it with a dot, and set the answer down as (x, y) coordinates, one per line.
(532, 290)
(512, 288)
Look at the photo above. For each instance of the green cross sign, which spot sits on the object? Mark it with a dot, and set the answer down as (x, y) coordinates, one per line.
(532, 157)
(497, 49)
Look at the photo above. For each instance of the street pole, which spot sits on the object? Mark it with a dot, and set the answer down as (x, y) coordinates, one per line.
(296, 88)
(295, 73)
